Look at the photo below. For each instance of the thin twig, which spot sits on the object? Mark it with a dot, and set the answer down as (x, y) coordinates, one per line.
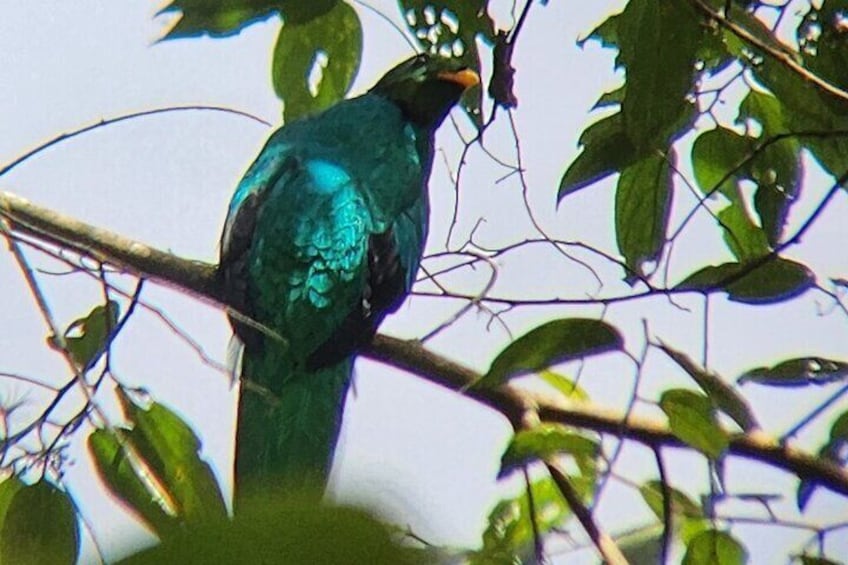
(605, 545)
(666, 505)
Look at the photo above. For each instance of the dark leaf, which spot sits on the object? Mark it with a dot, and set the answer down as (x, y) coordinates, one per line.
(692, 418)
(642, 206)
(777, 167)
(217, 19)
(606, 33)
(806, 105)
(611, 98)
(40, 527)
(86, 337)
(777, 280)
(551, 343)
(544, 442)
(722, 394)
(798, 372)
(810, 560)
(658, 42)
(606, 150)
(713, 547)
(822, 41)
(315, 61)
(276, 527)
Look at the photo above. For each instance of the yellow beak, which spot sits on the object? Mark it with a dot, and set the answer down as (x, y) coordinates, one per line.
(466, 78)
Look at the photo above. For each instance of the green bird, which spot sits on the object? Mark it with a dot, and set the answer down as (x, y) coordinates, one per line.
(323, 238)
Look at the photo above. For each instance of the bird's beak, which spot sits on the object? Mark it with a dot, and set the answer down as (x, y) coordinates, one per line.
(466, 78)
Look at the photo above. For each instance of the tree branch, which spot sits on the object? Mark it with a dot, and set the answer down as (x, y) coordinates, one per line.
(199, 279)
(776, 52)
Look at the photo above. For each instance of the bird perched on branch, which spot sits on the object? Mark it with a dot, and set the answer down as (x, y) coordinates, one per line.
(323, 238)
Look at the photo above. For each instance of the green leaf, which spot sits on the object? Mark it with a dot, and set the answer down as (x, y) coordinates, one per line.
(606, 150)
(775, 281)
(718, 156)
(606, 33)
(611, 98)
(822, 41)
(745, 239)
(642, 206)
(807, 107)
(652, 493)
(125, 483)
(834, 451)
(549, 344)
(722, 394)
(713, 547)
(688, 516)
(40, 527)
(692, 418)
(216, 19)
(545, 441)
(642, 547)
(810, 560)
(567, 387)
(86, 337)
(839, 429)
(777, 167)
(720, 160)
(451, 28)
(801, 371)
(658, 42)
(509, 533)
(8, 489)
(330, 46)
(275, 527)
(169, 452)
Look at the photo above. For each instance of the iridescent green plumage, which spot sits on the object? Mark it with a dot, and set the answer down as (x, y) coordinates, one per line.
(323, 239)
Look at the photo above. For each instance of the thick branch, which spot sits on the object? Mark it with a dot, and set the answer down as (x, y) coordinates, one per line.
(517, 406)
(195, 277)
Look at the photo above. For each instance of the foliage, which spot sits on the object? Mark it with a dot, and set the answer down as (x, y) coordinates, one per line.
(714, 88)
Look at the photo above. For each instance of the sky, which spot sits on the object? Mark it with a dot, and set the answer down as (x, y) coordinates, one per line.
(423, 456)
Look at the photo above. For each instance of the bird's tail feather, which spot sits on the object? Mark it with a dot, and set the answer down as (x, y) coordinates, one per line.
(287, 433)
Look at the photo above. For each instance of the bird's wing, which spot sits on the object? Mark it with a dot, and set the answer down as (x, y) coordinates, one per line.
(323, 269)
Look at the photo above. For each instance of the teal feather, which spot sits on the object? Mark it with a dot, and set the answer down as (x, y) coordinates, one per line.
(323, 238)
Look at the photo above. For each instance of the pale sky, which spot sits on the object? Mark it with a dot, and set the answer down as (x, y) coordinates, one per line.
(425, 457)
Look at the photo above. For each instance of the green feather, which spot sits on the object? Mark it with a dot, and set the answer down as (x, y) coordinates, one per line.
(323, 239)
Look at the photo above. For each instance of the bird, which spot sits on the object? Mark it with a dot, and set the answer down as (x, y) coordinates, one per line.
(323, 238)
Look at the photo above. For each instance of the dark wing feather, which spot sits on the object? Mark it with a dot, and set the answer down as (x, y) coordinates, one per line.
(238, 237)
(383, 292)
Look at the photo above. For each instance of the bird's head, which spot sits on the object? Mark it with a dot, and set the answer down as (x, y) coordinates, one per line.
(426, 87)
